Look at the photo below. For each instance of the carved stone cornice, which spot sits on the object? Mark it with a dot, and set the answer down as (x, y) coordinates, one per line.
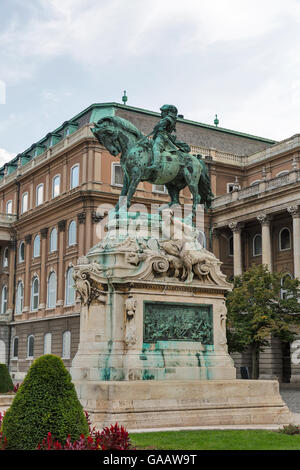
(28, 239)
(294, 211)
(264, 219)
(44, 232)
(81, 217)
(62, 225)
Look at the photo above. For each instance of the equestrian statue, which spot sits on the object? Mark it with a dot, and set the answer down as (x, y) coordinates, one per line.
(162, 160)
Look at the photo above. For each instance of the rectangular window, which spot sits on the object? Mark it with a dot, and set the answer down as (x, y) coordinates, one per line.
(117, 175)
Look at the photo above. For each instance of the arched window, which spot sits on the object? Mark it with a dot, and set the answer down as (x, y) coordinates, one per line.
(9, 207)
(47, 343)
(230, 246)
(53, 240)
(35, 294)
(39, 194)
(4, 299)
(51, 302)
(21, 252)
(36, 246)
(20, 298)
(5, 258)
(24, 203)
(70, 291)
(255, 182)
(72, 233)
(66, 346)
(30, 347)
(56, 186)
(283, 290)
(74, 177)
(284, 239)
(257, 245)
(15, 351)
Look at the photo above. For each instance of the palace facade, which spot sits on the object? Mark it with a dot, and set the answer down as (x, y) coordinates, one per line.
(54, 194)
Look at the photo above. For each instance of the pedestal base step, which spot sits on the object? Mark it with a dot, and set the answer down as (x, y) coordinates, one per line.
(161, 404)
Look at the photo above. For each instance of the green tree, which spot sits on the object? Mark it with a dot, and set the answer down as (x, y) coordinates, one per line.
(260, 305)
(45, 402)
(6, 384)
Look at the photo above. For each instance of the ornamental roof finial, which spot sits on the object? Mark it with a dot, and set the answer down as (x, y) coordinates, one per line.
(216, 121)
(124, 98)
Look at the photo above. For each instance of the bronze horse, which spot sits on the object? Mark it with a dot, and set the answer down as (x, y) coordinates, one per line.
(176, 169)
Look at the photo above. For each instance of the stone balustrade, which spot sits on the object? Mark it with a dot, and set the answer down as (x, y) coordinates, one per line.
(264, 186)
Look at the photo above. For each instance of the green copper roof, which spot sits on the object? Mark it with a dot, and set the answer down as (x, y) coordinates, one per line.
(96, 111)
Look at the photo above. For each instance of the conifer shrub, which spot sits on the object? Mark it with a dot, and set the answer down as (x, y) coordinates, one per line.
(6, 384)
(46, 402)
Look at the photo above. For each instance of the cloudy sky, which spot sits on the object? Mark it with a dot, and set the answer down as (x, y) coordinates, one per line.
(240, 59)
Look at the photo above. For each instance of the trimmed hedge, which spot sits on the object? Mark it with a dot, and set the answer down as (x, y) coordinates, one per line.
(6, 384)
(45, 402)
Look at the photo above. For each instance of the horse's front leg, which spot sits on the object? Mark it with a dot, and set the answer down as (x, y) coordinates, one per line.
(123, 193)
(134, 180)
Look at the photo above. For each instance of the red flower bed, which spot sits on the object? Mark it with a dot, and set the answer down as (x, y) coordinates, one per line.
(114, 438)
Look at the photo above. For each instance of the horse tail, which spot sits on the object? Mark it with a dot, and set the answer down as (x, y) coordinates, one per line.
(204, 187)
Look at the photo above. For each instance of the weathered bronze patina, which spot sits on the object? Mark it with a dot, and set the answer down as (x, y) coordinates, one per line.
(162, 160)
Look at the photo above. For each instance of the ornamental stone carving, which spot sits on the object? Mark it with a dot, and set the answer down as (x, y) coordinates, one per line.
(130, 308)
(235, 226)
(85, 286)
(294, 211)
(175, 254)
(264, 219)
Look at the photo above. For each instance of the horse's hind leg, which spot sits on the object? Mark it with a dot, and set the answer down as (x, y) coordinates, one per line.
(173, 193)
(192, 182)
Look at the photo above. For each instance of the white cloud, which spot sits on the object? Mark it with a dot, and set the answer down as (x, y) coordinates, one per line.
(5, 156)
(237, 58)
(94, 32)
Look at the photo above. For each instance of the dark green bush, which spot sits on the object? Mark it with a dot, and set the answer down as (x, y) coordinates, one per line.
(6, 384)
(45, 402)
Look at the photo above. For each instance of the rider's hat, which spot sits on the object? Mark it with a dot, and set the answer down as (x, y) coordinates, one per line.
(170, 108)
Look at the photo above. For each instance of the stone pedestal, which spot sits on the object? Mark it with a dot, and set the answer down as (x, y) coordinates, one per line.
(153, 348)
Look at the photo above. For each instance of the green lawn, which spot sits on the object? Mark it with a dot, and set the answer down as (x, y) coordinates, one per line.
(216, 440)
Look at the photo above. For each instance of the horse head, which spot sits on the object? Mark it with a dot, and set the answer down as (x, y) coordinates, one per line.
(116, 134)
(106, 133)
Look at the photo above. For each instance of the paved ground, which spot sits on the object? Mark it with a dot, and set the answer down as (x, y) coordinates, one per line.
(291, 395)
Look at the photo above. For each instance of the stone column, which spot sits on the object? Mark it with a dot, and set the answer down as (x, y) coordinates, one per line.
(216, 243)
(95, 219)
(295, 213)
(82, 236)
(43, 285)
(265, 221)
(61, 273)
(27, 273)
(236, 228)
